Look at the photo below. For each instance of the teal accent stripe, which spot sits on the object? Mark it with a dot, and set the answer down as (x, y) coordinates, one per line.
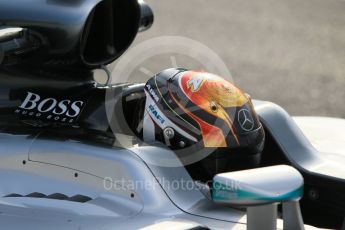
(223, 192)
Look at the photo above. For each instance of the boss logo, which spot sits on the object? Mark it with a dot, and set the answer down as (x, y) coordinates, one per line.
(50, 108)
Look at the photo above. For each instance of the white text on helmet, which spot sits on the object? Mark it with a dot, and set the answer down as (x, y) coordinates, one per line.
(152, 93)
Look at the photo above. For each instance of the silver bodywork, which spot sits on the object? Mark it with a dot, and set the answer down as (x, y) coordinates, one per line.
(125, 189)
(298, 144)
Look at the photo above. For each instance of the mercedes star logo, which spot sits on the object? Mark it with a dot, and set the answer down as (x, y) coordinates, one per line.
(245, 120)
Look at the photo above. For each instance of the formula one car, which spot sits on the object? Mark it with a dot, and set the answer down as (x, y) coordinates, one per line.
(70, 158)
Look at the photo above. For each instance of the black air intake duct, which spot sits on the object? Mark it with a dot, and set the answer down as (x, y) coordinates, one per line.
(74, 33)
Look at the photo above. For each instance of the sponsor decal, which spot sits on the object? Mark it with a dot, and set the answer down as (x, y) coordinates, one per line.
(195, 83)
(156, 114)
(36, 106)
(245, 120)
(152, 93)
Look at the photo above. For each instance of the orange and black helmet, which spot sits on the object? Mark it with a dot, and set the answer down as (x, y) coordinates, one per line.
(185, 108)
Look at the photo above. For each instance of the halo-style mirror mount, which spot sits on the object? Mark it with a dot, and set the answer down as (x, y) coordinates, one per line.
(260, 191)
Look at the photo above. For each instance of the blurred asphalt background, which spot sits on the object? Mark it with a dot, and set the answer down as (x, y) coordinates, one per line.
(291, 52)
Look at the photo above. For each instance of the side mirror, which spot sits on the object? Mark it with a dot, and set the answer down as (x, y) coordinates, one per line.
(260, 191)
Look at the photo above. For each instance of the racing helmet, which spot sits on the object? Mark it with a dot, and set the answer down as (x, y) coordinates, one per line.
(195, 109)
(184, 108)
